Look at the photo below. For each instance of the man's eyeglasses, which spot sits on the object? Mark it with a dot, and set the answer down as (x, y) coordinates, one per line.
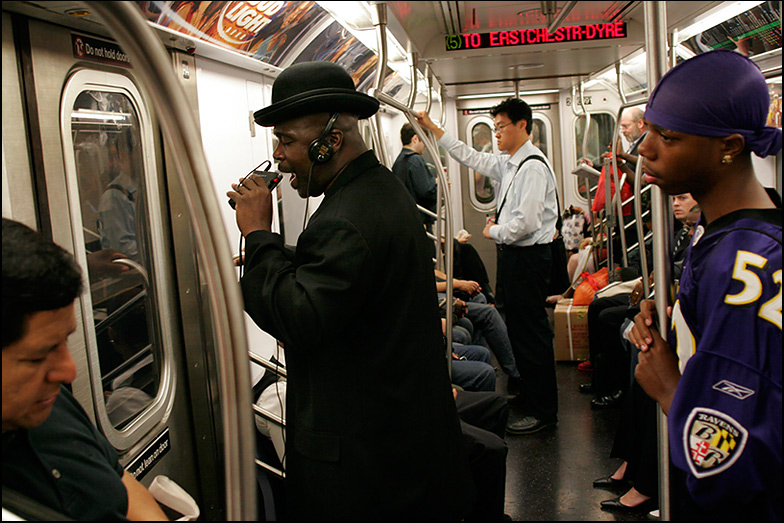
(498, 128)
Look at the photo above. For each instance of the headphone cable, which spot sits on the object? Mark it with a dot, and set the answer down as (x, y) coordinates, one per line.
(307, 202)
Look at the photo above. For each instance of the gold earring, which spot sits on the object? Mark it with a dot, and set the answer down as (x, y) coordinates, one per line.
(726, 159)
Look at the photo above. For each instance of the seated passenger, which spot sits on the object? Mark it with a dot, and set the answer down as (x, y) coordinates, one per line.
(472, 368)
(606, 315)
(468, 265)
(52, 453)
(489, 328)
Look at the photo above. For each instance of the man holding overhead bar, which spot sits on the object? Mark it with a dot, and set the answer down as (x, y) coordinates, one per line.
(523, 229)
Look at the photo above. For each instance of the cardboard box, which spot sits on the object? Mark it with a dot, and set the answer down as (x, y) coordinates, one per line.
(571, 331)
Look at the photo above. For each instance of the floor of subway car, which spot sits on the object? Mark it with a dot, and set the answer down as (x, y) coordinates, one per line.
(550, 474)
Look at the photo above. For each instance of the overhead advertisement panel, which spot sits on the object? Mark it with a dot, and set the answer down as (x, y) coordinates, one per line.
(336, 44)
(750, 33)
(516, 37)
(265, 31)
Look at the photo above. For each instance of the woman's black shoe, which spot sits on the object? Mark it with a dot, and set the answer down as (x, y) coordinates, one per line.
(609, 483)
(615, 505)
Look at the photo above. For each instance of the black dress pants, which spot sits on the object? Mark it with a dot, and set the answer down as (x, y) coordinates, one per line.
(525, 273)
(636, 441)
(608, 356)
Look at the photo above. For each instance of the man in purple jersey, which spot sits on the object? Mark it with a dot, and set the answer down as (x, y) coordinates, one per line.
(722, 390)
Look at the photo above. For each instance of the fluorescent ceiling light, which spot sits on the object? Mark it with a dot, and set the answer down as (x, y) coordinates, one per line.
(714, 18)
(608, 77)
(500, 95)
(352, 15)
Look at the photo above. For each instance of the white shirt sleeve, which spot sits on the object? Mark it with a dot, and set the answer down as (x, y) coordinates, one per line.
(489, 164)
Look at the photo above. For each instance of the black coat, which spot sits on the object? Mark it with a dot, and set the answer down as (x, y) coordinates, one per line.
(372, 427)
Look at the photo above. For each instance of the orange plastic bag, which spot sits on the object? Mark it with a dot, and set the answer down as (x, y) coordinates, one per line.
(591, 283)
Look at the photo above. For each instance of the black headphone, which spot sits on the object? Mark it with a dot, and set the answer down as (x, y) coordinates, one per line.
(320, 150)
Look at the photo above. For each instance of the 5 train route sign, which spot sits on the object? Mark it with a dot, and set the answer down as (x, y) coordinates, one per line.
(541, 35)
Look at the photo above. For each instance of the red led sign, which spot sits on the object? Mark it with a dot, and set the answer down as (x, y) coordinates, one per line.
(515, 37)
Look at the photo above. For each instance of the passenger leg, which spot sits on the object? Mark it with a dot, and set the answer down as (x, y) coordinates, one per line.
(525, 272)
(475, 372)
(488, 322)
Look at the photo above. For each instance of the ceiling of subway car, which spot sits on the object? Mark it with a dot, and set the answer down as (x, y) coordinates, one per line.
(536, 65)
(424, 26)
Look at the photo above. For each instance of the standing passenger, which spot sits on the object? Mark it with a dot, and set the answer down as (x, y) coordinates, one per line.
(722, 391)
(411, 169)
(523, 230)
(372, 426)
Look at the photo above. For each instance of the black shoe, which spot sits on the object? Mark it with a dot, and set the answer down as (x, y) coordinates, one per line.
(528, 425)
(615, 505)
(607, 402)
(586, 388)
(609, 483)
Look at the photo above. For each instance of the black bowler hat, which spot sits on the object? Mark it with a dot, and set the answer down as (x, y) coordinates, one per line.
(314, 87)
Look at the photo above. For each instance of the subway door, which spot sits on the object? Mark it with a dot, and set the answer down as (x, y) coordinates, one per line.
(234, 145)
(480, 193)
(98, 153)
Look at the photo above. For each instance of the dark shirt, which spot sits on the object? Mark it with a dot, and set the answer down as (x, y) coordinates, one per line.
(66, 464)
(410, 168)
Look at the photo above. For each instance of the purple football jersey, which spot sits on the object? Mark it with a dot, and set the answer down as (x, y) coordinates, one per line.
(725, 421)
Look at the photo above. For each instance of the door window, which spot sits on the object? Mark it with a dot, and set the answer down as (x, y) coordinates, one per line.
(600, 134)
(112, 188)
(480, 136)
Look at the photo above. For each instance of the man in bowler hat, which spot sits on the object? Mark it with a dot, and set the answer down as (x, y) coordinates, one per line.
(372, 429)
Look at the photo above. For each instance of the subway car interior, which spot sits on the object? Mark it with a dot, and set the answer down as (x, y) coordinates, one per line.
(155, 101)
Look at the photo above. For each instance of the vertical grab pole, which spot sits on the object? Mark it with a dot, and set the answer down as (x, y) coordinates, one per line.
(439, 196)
(412, 96)
(618, 76)
(442, 120)
(414, 79)
(380, 22)
(656, 45)
(432, 148)
(609, 218)
(429, 76)
(646, 278)
(617, 199)
(152, 63)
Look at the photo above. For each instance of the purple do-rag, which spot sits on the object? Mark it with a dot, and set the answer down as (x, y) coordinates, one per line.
(717, 93)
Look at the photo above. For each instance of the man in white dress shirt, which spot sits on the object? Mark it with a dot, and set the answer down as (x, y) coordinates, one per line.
(523, 229)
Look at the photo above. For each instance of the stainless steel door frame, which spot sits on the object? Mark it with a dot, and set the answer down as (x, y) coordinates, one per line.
(52, 62)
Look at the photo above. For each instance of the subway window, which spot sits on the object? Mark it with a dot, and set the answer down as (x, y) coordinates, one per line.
(600, 134)
(480, 136)
(112, 189)
(482, 141)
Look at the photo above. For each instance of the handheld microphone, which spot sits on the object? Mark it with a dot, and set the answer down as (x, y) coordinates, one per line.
(271, 178)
